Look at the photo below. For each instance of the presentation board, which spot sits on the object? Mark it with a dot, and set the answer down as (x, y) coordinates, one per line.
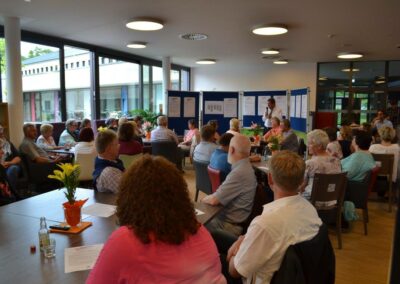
(299, 109)
(182, 106)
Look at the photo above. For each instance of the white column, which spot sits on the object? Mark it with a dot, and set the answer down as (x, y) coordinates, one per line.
(166, 66)
(12, 32)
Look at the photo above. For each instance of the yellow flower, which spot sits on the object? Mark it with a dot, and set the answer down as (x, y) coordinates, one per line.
(68, 175)
(101, 129)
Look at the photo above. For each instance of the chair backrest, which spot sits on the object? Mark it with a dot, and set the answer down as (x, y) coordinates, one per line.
(167, 149)
(128, 160)
(385, 162)
(203, 182)
(302, 147)
(357, 191)
(86, 162)
(215, 178)
(374, 175)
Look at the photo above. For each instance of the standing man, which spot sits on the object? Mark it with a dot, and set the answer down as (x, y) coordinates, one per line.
(272, 110)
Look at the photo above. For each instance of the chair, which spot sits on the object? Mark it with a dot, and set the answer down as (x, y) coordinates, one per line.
(86, 162)
(203, 182)
(386, 169)
(302, 147)
(215, 178)
(128, 160)
(169, 150)
(327, 197)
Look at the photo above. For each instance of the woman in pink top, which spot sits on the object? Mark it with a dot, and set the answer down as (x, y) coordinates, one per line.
(160, 239)
(188, 139)
(275, 130)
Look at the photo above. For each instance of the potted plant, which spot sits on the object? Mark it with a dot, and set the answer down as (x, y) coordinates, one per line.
(68, 176)
(274, 143)
(147, 127)
(256, 131)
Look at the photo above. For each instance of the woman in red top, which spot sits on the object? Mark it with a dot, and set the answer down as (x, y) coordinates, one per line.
(127, 144)
(275, 130)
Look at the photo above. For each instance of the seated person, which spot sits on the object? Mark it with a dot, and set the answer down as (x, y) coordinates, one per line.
(112, 124)
(46, 140)
(108, 169)
(85, 123)
(6, 190)
(203, 151)
(128, 146)
(139, 121)
(70, 135)
(321, 162)
(219, 158)
(122, 120)
(275, 130)
(381, 120)
(361, 161)
(234, 126)
(236, 193)
(290, 140)
(160, 239)
(187, 140)
(344, 139)
(86, 142)
(214, 123)
(333, 148)
(288, 220)
(162, 133)
(136, 133)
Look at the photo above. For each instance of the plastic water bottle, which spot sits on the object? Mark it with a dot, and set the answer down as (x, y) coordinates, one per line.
(44, 237)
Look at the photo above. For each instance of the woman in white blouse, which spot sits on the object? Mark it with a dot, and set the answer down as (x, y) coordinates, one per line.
(46, 140)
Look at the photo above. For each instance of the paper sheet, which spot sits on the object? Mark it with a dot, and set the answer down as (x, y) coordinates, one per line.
(292, 106)
(304, 106)
(81, 258)
(99, 210)
(262, 104)
(174, 106)
(189, 107)
(249, 105)
(298, 106)
(230, 107)
(199, 212)
(214, 107)
(281, 102)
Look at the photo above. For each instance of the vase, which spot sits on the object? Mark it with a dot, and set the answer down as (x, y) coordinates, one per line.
(257, 139)
(148, 135)
(73, 212)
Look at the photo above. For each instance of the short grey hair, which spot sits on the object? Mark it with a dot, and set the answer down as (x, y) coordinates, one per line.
(318, 137)
(162, 120)
(45, 128)
(69, 122)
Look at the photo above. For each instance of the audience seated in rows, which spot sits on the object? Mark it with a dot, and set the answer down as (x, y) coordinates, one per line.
(86, 142)
(214, 124)
(333, 148)
(127, 144)
(236, 193)
(321, 162)
(234, 126)
(361, 161)
(275, 129)
(188, 138)
(288, 220)
(10, 159)
(69, 136)
(290, 141)
(46, 140)
(219, 158)
(162, 133)
(202, 152)
(108, 169)
(160, 239)
(381, 120)
(112, 124)
(7, 191)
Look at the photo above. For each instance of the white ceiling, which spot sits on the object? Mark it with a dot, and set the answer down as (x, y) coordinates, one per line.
(369, 26)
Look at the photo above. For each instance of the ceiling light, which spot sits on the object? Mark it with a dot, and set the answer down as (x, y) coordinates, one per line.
(206, 61)
(137, 44)
(144, 24)
(349, 55)
(323, 78)
(380, 82)
(270, 30)
(193, 36)
(270, 51)
(281, 61)
(349, 69)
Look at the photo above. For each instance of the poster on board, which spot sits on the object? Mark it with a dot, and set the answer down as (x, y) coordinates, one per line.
(214, 107)
(298, 106)
(189, 109)
(292, 106)
(249, 105)
(174, 106)
(230, 107)
(262, 104)
(281, 102)
(304, 106)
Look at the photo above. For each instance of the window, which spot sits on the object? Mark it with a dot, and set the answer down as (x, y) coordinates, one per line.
(3, 92)
(77, 64)
(83, 63)
(185, 80)
(175, 80)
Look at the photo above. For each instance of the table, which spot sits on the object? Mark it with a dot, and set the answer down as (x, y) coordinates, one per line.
(262, 166)
(19, 223)
(69, 152)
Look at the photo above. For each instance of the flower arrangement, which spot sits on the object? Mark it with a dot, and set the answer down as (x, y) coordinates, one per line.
(147, 126)
(101, 129)
(274, 142)
(256, 129)
(68, 175)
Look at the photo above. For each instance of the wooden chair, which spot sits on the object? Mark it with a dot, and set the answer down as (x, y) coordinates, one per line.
(203, 182)
(385, 161)
(215, 178)
(128, 160)
(327, 197)
(169, 150)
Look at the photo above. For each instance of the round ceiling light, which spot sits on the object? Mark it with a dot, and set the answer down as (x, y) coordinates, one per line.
(144, 25)
(206, 61)
(193, 36)
(270, 30)
(270, 51)
(349, 69)
(281, 61)
(349, 55)
(137, 44)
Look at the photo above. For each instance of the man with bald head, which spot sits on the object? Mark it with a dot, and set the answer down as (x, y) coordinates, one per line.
(236, 193)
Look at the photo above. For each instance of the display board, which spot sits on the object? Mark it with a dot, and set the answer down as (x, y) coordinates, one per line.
(254, 104)
(220, 106)
(182, 106)
(299, 109)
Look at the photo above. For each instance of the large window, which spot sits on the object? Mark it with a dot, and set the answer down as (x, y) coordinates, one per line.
(175, 80)
(3, 92)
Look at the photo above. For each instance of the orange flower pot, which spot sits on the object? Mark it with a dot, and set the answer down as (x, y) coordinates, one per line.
(148, 135)
(72, 212)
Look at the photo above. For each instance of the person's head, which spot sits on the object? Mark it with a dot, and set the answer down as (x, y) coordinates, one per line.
(271, 103)
(362, 140)
(387, 133)
(285, 125)
(346, 132)
(46, 130)
(286, 173)
(135, 127)
(156, 206)
(86, 123)
(30, 130)
(332, 133)
(138, 119)
(191, 124)
(71, 125)
(207, 133)
(317, 141)
(380, 115)
(86, 135)
(111, 123)
(107, 144)
(213, 123)
(366, 127)
(122, 120)
(239, 148)
(224, 141)
(275, 122)
(126, 132)
(234, 124)
(162, 120)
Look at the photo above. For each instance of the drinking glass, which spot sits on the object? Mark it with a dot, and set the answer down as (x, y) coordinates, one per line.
(50, 249)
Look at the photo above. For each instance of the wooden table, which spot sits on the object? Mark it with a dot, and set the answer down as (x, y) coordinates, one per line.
(69, 152)
(262, 166)
(19, 230)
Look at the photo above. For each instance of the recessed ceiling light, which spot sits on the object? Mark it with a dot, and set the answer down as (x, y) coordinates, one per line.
(270, 30)
(323, 78)
(349, 55)
(193, 36)
(137, 44)
(206, 61)
(380, 82)
(281, 61)
(144, 24)
(270, 51)
(349, 69)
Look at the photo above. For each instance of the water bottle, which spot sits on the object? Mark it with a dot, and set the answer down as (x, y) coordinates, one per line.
(44, 237)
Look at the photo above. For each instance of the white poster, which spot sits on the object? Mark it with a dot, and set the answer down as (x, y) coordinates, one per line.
(174, 107)
(281, 102)
(230, 107)
(189, 107)
(292, 106)
(298, 106)
(249, 105)
(262, 104)
(304, 106)
(213, 107)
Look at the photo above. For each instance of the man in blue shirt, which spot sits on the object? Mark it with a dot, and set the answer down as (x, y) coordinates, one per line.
(219, 158)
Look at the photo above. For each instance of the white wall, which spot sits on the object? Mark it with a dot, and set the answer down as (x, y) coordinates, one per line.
(256, 78)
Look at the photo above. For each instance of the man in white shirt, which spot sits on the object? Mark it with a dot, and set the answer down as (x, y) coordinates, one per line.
(288, 220)
(162, 133)
(271, 111)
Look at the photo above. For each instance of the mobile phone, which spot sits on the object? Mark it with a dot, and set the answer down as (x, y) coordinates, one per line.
(60, 227)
